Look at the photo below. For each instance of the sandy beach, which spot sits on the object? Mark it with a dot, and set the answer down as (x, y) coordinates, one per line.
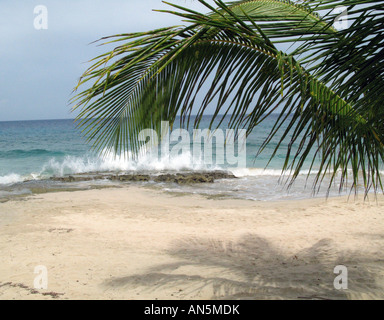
(140, 243)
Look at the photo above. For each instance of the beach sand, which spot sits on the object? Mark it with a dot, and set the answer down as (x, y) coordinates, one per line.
(140, 243)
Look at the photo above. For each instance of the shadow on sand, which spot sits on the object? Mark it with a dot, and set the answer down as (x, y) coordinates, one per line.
(253, 268)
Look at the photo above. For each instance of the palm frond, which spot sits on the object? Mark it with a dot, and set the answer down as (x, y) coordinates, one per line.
(229, 58)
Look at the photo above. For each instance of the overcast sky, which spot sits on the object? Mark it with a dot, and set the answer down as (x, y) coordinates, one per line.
(39, 68)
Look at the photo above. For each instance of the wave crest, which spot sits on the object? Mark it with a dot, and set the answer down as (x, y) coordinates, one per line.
(11, 178)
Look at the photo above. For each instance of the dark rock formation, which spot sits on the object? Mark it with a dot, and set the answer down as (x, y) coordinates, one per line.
(179, 178)
(129, 177)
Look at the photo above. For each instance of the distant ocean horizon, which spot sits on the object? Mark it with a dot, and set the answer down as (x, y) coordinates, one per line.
(34, 151)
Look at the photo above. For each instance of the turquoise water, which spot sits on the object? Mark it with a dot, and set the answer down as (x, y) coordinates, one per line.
(27, 147)
(37, 150)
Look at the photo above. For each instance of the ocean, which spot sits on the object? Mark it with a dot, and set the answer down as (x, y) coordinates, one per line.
(33, 152)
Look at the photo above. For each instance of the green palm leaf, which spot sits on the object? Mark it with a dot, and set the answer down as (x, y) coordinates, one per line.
(229, 58)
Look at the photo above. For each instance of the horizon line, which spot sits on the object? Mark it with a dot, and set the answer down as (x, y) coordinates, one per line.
(61, 119)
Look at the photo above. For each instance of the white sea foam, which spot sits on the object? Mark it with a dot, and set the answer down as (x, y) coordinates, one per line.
(246, 172)
(11, 178)
(256, 172)
(110, 162)
(125, 162)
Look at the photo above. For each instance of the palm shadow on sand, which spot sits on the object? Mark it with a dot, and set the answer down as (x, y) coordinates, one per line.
(252, 268)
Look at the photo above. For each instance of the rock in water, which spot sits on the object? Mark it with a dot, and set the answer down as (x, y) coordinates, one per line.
(179, 178)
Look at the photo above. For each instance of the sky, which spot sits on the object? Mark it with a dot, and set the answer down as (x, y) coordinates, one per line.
(40, 67)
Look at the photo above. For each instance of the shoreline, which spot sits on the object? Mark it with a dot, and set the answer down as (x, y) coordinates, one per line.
(212, 184)
(133, 242)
